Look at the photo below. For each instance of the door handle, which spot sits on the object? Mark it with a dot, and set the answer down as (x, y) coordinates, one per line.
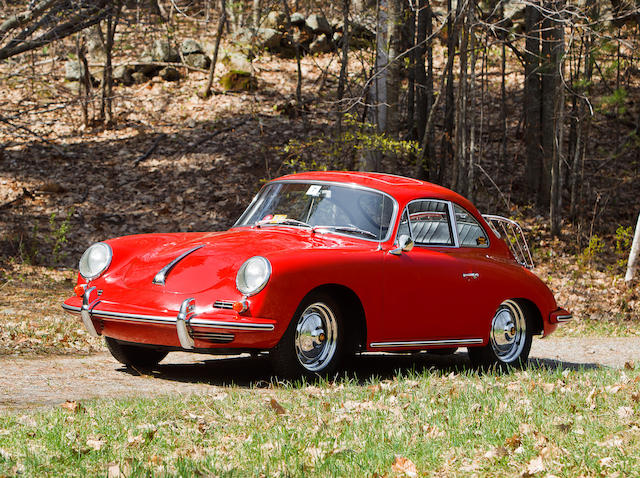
(471, 275)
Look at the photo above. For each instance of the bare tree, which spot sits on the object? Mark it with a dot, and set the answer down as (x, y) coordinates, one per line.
(49, 20)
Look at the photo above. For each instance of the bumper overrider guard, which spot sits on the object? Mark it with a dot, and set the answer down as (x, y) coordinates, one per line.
(183, 322)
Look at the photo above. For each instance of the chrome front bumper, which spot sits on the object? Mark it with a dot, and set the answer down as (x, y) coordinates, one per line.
(184, 322)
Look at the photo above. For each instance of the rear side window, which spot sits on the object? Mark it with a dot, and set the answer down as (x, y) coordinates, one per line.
(470, 232)
(430, 223)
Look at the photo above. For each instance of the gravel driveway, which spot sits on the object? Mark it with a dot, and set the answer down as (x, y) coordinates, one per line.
(48, 381)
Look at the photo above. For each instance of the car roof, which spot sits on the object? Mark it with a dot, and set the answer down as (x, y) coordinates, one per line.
(402, 188)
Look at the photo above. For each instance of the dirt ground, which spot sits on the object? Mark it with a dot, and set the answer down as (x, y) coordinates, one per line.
(28, 383)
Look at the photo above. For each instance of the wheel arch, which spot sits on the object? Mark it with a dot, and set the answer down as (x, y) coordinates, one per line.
(532, 310)
(353, 313)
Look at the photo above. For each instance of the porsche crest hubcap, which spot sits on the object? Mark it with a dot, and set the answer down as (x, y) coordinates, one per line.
(508, 332)
(316, 336)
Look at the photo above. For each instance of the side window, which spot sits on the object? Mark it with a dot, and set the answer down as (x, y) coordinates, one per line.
(470, 232)
(429, 222)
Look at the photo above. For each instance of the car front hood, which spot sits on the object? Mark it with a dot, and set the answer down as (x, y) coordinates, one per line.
(137, 259)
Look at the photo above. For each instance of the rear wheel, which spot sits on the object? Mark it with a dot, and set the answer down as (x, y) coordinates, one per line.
(314, 341)
(509, 338)
(134, 355)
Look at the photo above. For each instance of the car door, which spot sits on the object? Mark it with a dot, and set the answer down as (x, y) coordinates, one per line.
(424, 298)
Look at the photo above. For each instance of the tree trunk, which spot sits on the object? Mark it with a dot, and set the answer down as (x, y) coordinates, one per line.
(410, 44)
(212, 67)
(256, 13)
(553, 77)
(296, 46)
(106, 105)
(394, 41)
(424, 89)
(446, 146)
(633, 254)
(532, 97)
(344, 64)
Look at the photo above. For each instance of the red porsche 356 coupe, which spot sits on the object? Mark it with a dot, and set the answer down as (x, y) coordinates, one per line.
(319, 266)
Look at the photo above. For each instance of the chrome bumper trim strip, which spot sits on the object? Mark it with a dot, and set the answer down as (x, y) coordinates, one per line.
(425, 343)
(168, 320)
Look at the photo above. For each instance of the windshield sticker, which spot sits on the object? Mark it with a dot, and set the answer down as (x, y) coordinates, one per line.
(314, 190)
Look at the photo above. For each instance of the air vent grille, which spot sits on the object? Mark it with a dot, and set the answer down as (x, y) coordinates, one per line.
(223, 304)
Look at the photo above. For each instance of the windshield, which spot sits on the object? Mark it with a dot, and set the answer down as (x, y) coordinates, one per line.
(323, 207)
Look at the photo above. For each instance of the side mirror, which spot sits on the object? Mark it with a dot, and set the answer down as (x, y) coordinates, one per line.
(405, 244)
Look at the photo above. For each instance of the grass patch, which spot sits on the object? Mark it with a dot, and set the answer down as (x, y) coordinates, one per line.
(565, 422)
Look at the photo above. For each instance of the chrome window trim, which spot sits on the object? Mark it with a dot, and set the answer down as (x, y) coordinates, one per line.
(425, 343)
(161, 277)
(171, 320)
(453, 210)
(392, 221)
(452, 224)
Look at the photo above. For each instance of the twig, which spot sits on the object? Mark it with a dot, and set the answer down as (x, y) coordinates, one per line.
(20, 127)
(150, 150)
(504, 198)
(24, 194)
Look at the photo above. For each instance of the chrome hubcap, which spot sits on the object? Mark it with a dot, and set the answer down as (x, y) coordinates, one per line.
(316, 337)
(508, 332)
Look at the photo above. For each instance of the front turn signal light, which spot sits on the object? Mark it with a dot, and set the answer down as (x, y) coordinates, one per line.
(79, 289)
(240, 306)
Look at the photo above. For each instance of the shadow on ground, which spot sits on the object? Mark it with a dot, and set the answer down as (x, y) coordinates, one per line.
(251, 371)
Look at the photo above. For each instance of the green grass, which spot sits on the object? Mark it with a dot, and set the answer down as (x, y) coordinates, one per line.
(564, 422)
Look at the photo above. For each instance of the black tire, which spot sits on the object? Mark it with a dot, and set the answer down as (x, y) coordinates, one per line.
(510, 335)
(134, 355)
(318, 352)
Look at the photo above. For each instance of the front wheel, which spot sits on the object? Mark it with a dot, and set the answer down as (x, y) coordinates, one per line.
(134, 355)
(314, 341)
(509, 339)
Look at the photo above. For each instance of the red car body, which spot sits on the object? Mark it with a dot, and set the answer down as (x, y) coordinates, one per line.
(426, 298)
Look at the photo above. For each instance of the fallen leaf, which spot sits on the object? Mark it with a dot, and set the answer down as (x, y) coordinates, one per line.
(496, 452)
(279, 409)
(72, 406)
(113, 470)
(534, 467)
(606, 461)
(96, 443)
(404, 466)
(135, 440)
(513, 442)
(625, 412)
(630, 365)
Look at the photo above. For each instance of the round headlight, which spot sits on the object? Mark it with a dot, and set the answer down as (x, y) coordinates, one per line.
(253, 275)
(95, 260)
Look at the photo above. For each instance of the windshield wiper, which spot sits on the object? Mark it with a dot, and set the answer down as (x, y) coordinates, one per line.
(355, 229)
(287, 221)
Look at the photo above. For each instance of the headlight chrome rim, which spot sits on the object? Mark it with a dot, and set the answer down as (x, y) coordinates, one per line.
(88, 276)
(241, 284)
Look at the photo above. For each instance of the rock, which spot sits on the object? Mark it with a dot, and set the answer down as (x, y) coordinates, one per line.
(319, 24)
(237, 80)
(139, 77)
(322, 44)
(235, 61)
(170, 74)
(189, 47)
(304, 36)
(276, 21)
(162, 51)
(198, 60)
(297, 19)
(73, 71)
(144, 65)
(259, 38)
(122, 74)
